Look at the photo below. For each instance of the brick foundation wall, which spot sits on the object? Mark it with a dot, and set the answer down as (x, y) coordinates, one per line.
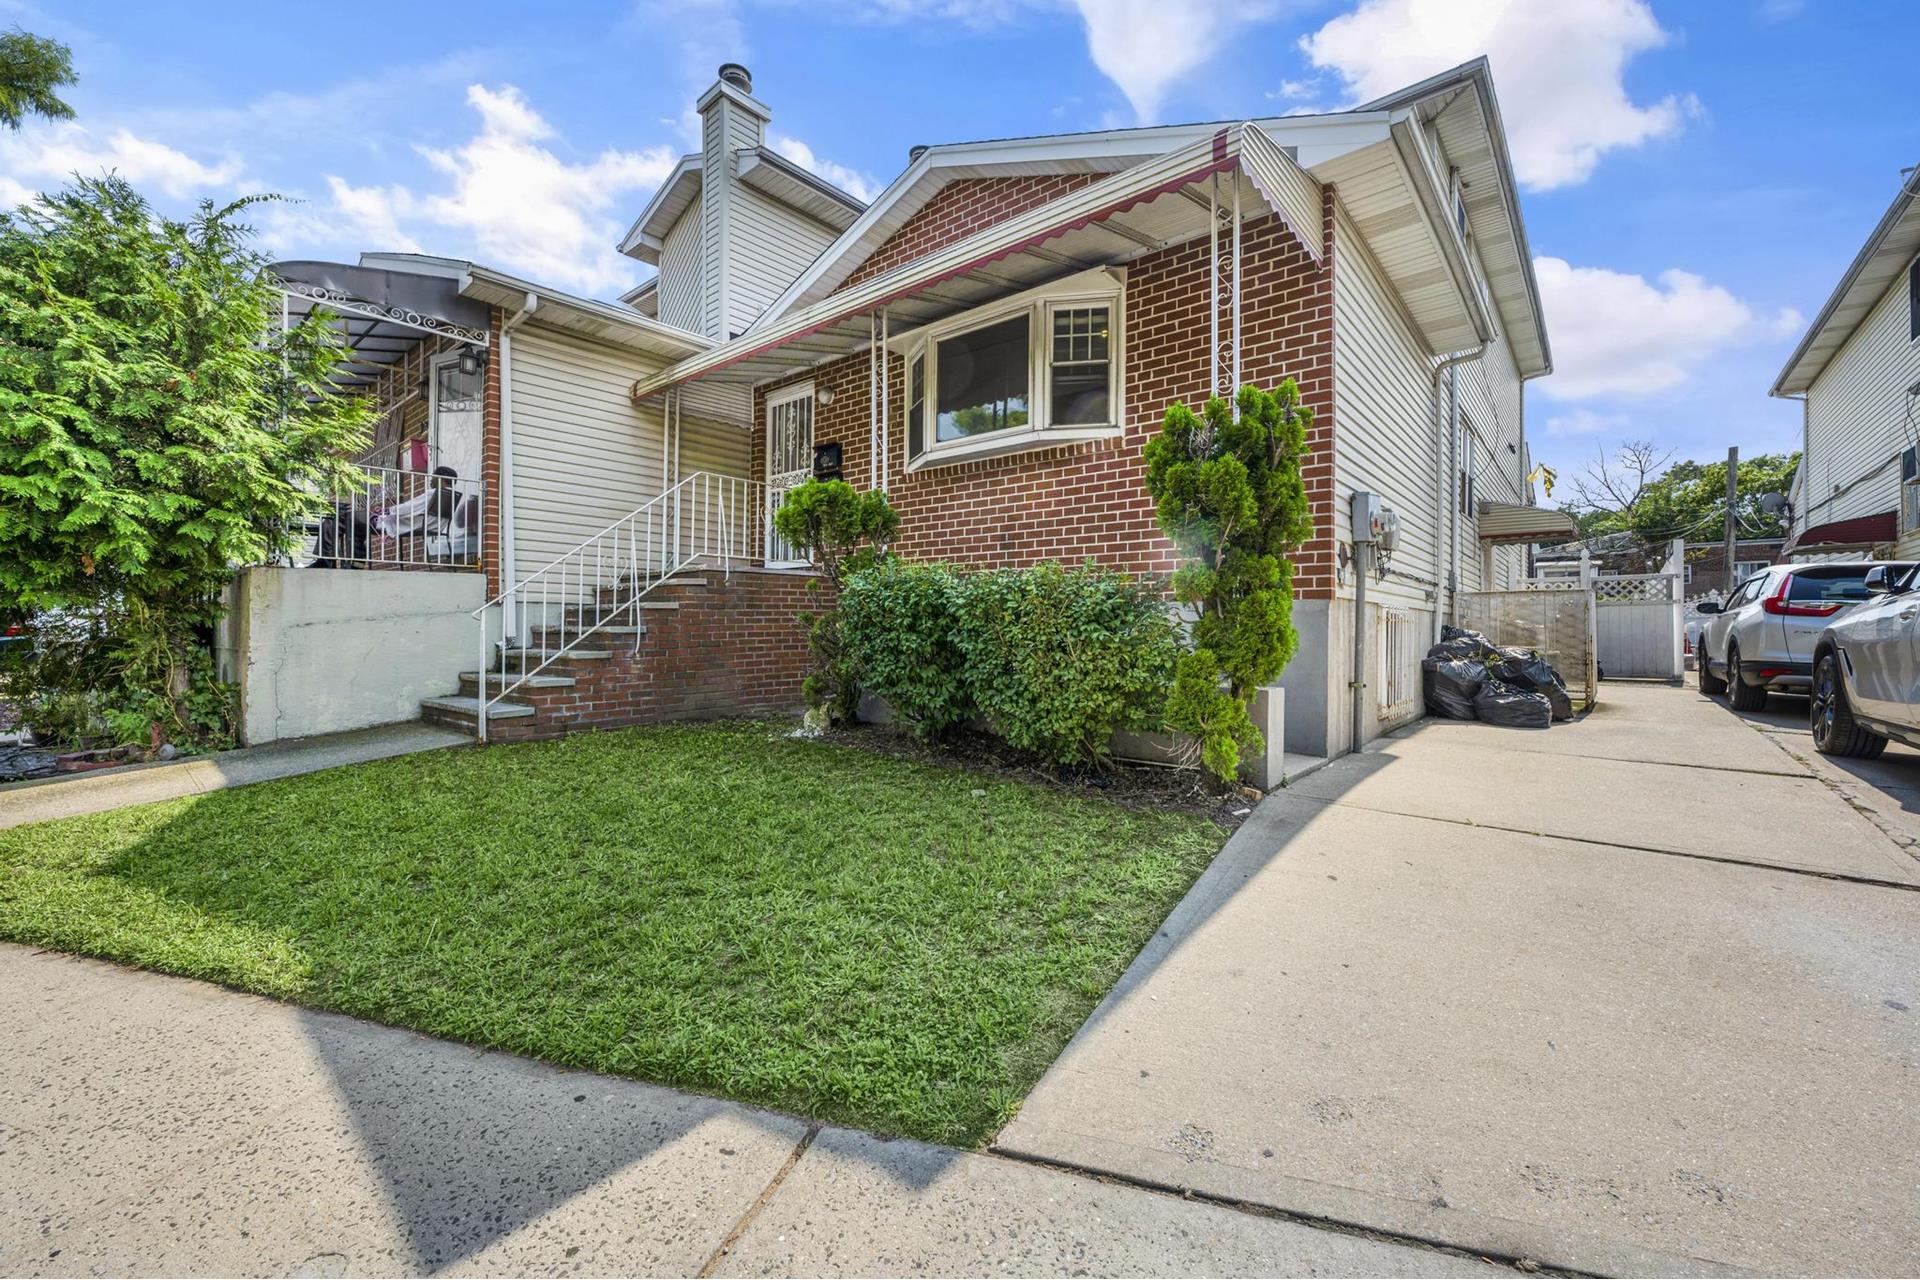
(731, 648)
(1089, 500)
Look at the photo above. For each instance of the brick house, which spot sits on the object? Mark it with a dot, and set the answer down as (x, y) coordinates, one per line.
(992, 340)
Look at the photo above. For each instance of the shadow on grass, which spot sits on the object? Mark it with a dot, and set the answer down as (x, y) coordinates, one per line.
(856, 938)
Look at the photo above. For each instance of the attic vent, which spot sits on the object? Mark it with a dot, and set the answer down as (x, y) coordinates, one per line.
(737, 76)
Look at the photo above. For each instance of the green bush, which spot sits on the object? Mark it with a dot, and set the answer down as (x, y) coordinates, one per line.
(898, 626)
(1059, 659)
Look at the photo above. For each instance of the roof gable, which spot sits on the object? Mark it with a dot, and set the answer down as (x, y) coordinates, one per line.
(1887, 253)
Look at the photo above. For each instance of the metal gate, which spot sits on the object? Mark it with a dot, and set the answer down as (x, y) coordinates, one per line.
(789, 460)
(1637, 626)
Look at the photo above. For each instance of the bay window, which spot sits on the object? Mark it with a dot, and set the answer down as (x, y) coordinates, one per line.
(1027, 372)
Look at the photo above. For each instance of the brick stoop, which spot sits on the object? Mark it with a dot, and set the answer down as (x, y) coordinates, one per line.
(707, 646)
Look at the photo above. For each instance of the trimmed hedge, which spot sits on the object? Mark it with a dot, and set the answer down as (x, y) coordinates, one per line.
(1054, 660)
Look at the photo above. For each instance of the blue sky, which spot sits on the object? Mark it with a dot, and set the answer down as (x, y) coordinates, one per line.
(1695, 175)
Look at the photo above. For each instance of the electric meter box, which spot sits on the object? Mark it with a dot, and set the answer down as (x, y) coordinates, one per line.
(1374, 521)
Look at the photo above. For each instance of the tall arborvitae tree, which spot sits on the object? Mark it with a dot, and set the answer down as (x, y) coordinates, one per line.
(1228, 491)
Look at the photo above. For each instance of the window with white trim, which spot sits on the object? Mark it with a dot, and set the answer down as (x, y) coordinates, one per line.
(1037, 369)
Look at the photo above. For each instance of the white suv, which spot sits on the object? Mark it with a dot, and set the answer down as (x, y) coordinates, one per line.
(1762, 637)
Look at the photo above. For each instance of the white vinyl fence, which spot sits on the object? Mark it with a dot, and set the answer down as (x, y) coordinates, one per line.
(1638, 626)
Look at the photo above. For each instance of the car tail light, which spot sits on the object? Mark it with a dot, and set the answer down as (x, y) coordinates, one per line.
(1778, 604)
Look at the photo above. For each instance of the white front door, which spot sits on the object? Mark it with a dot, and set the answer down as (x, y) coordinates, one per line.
(789, 460)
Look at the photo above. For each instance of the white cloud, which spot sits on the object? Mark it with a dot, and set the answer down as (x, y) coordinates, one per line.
(513, 199)
(1620, 334)
(1585, 422)
(1144, 46)
(1558, 68)
(52, 155)
(855, 183)
(1788, 322)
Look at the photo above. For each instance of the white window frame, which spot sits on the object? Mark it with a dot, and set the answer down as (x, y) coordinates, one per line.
(1102, 286)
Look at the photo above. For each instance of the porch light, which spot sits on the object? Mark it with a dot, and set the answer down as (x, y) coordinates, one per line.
(471, 362)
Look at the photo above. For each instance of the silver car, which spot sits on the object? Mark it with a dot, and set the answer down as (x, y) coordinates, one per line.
(1866, 670)
(1762, 637)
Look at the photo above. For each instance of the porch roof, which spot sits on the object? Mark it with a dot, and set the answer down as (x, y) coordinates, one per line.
(1123, 216)
(384, 311)
(1502, 523)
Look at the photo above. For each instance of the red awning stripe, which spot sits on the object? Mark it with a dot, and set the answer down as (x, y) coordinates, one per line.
(1882, 526)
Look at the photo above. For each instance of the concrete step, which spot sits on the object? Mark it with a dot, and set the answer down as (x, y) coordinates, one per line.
(463, 706)
(541, 681)
(535, 655)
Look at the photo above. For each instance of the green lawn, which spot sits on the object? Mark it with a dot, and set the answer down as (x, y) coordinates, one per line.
(814, 927)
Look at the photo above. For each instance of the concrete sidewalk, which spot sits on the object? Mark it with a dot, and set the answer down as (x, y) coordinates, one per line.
(156, 1126)
(1635, 995)
(45, 799)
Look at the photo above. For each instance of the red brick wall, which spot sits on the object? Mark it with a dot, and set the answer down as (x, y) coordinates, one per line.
(1089, 500)
(961, 208)
(493, 507)
(731, 648)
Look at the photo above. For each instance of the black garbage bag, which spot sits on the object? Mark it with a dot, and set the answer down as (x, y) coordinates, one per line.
(1528, 670)
(1457, 644)
(1450, 684)
(1504, 704)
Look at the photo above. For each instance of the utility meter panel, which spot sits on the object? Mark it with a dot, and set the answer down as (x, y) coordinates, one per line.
(1374, 521)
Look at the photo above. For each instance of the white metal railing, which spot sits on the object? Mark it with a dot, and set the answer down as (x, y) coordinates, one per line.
(398, 519)
(703, 519)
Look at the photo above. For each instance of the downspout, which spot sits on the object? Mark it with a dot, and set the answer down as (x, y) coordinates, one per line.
(1446, 441)
(507, 578)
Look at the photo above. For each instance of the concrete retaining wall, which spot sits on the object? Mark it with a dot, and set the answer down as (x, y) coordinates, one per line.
(324, 650)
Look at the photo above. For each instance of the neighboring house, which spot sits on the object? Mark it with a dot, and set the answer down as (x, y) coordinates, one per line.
(993, 341)
(1615, 554)
(1857, 374)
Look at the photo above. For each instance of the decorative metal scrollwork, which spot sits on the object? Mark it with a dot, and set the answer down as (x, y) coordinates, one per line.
(337, 300)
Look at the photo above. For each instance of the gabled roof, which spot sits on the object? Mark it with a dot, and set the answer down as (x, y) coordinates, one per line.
(1885, 255)
(1461, 105)
(764, 170)
(1381, 146)
(675, 196)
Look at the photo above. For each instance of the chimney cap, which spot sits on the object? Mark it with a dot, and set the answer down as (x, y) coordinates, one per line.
(737, 76)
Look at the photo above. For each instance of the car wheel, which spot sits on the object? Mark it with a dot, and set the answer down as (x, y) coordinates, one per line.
(1835, 731)
(1742, 696)
(1710, 683)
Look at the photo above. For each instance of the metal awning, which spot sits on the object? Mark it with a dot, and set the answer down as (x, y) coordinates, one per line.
(1503, 523)
(383, 313)
(1126, 215)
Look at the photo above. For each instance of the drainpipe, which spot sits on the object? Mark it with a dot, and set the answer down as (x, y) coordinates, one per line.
(1446, 441)
(507, 579)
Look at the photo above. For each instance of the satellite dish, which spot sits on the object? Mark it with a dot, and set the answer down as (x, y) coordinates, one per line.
(1774, 503)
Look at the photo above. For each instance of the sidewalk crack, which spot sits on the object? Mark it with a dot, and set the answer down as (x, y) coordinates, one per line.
(760, 1202)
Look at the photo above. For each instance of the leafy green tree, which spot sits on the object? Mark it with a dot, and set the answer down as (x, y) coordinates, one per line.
(1229, 493)
(157, 428)
(31, 68)
(843, 531)
(1637, 492)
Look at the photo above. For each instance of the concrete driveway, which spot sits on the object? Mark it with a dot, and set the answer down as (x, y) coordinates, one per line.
(1639, 994)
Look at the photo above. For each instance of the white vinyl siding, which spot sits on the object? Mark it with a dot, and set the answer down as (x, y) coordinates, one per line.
(772, 244)
(583, 454)
(1856, 419)
(680, 274)
(1382, 408)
